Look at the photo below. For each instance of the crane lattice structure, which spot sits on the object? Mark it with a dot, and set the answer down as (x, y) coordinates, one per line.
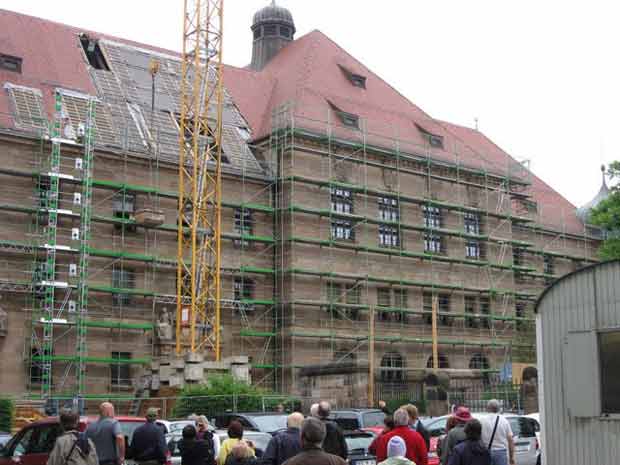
(200, 192)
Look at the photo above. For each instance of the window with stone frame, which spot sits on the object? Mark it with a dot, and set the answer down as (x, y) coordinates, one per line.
(389, 209)
(342, 200)
(120, 372)
(392, 368)
(433, 243)
(472, 225)
(400, 302)
(521, 312)
(471, 309)
(384, 299)
(243, 225)
(389, 236)
(36, 366)
(124, 208)
(432, 216)
(485, 310)
(342, 230)
(122, 278)
(517, 255)
(548, 268)
(443, 306)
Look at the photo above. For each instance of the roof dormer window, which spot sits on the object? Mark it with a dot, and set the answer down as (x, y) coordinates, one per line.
(356, 79)
(10, 63)
(93, 52)
(349, 119)
(434, 140)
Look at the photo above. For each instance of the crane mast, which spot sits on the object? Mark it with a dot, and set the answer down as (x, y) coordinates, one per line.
(200, 185)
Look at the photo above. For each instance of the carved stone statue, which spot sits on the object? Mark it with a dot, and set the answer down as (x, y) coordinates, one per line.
(164, 326)
(529, 390)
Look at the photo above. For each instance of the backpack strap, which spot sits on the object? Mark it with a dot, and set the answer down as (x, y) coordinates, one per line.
(494, 431)
(71, 450)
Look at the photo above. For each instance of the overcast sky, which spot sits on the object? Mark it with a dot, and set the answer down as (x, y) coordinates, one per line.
(542, 77)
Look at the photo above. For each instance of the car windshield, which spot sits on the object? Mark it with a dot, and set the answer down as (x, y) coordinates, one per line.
(373, 419)
(270, 423)
(179, 425)
(359, 442)
(436, 426)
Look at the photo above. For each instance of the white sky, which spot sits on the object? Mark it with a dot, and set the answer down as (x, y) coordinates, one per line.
(542, 76)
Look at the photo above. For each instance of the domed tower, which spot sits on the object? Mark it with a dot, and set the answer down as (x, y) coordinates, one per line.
(583, 213)
(273, 28)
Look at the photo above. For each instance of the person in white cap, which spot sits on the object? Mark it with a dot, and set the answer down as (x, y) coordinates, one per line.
(396, 452)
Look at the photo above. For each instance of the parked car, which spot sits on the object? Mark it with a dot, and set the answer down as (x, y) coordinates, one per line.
(34, 442)
(359, 419)
(260, 440)
(537, 425)
(266, 422)
(4, 438)
(357, 443)
(523, 430)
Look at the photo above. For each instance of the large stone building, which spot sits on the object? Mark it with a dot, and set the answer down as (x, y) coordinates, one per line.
(343, 203)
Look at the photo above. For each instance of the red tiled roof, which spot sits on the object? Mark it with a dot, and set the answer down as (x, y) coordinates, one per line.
(305, 72)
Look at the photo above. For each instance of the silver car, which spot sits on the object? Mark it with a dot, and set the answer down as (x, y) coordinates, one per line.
(523, 431)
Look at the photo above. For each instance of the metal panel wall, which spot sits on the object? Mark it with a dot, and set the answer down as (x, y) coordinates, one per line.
(585, 301)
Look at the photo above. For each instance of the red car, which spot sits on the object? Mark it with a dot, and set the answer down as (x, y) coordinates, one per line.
(34, 442)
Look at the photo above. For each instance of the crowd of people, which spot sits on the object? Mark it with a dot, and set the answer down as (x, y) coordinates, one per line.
(314, 440)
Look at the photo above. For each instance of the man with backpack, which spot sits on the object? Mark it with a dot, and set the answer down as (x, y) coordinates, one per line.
(334, 442)
(148, 445)
(72, 448)
(497, 435)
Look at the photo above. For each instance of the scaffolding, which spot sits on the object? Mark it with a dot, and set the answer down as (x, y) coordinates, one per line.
(323, 224)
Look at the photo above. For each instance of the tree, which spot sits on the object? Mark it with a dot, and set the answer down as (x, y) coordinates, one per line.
(7, 410)
(224, 393)
(606, 215)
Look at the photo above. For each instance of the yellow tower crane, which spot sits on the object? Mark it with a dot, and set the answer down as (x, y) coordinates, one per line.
(200, 184)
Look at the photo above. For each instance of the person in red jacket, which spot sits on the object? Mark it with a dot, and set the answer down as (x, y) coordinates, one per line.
(416, 448)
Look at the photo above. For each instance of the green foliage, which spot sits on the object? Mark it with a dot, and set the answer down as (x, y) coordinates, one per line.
(7, 410)
(223, 393)
(607, 216)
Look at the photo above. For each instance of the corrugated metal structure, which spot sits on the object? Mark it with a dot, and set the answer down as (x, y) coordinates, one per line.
(578, 321)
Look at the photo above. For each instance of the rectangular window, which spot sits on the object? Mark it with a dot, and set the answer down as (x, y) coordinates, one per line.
(123, 208)
(389, 209)
(10, 63)
(609, 348)
(334, 292)
(472, 223)
(485, 310)
(401, 302)
(383, 300)
(120, 373)
(285, 32)
(36, 368)
(470, 308)
(473, 249)
(388, 236)
(270, 30)
(433, 243)
(342, 200)
(358, 81)
(243, 289)
(349, 119)
(548, 268)
(122, 279)
(517, 256)
(244, 224)
(353, 297)
(520, 307)
(342, 230)
(432, 216)
(443, 306)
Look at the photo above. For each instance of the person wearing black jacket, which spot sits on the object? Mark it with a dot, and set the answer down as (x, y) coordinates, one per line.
(193, 451)
(471, 451)
(148, 445)
(334, 442)
(285, 444)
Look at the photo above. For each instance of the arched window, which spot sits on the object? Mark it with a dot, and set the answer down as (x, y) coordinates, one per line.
(442, 359)
(479, 362)
(392, 365)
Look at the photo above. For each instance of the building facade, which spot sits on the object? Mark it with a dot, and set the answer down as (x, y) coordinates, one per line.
(348, 214)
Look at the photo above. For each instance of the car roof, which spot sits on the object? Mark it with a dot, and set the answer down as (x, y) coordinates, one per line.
(357, 410)
(253, 414)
